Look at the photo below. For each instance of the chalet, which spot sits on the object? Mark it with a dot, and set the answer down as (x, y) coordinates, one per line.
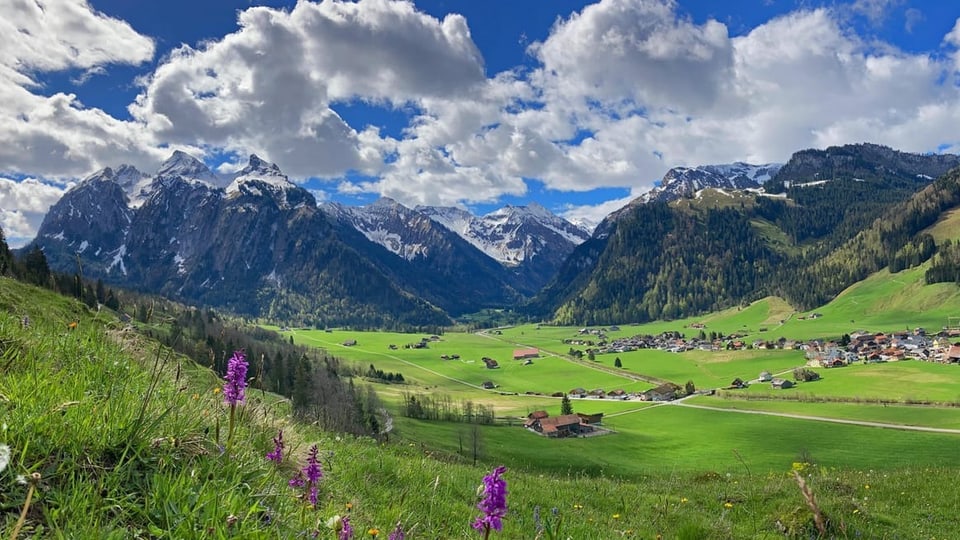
(592, 419)
(392, 347)
(664, 392)
(578, 392)
(350, 343)
(614, 328)
(599, 392)
(952, 355)
(782, 383)
(488, 385)
(738, 383)
(765, 376)
(522, 354)
(568, 425)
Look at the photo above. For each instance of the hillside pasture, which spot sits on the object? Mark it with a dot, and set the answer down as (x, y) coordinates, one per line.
(661, 438)
(466, 374)
(906, 415)
(907, 380)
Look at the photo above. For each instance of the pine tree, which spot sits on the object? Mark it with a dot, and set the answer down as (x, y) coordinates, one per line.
(566, 407)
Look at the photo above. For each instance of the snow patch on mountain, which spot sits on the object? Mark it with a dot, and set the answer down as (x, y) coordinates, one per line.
(510, 235)
(681, 182)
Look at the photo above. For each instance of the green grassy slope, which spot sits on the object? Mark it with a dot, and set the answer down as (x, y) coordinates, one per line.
(127, 446)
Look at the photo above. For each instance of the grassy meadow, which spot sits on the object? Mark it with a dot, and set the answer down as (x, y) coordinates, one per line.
(654, 437)
(112, 436)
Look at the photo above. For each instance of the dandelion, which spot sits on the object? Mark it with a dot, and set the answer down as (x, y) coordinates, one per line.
(616, 516)
(373, 531)
(494, 502)
(397, 533)
(277, 455)
(728, 505)
(684, 500)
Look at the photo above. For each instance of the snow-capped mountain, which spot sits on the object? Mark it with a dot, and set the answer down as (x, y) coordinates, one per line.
(511, 235)
(682, 182)
(252, 242)
(529, 240)
(401, 231)
(428, 259)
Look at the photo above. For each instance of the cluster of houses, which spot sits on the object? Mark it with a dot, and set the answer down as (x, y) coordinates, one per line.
(872, 347)
(565, 425)
(665, 392)
(862, 346)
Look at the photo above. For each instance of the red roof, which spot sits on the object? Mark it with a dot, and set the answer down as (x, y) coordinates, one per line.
(525, 353)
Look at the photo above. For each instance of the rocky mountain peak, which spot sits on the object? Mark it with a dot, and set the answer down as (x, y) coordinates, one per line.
(186, 166)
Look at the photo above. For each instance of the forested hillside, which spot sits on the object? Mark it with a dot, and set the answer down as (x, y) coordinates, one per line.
(858, 209)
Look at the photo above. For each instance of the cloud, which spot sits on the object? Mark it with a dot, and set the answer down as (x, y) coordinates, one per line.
(875, 11)
(913, 17)
(592, 215)
(23, 205)
(55, 135)
(613, 96)
(267, 88)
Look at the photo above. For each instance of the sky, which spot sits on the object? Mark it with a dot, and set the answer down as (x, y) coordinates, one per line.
(579, 106)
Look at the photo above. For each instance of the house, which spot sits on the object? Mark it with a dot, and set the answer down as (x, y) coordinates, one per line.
(578, 392)
(349, 343)
(664, 392)
(521, 354)
(953, 354)
(765, 376)
(488, 385)
(568, 425)
(592, 419)
(782, 383)
(738, 383)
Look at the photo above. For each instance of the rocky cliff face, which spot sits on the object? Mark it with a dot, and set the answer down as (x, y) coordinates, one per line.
(254, 243)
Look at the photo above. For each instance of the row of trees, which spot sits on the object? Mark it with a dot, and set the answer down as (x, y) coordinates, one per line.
(443, 407)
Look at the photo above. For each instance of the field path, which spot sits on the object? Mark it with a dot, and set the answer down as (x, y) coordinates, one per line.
(680, 403)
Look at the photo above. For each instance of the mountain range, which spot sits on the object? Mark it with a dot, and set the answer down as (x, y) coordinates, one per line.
(704, 238)
(258, 244)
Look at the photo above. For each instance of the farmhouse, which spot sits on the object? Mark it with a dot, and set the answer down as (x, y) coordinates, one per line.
(591, 419)
(490, 363)
(521, 354)
(782, 383)
(488, 385)
(664, 392)
(568, 425)
(765, 376)
(349, 343)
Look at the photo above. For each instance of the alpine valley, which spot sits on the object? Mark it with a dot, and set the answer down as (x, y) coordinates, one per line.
(705, 238)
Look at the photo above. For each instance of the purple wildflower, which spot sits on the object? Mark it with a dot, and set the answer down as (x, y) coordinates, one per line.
(346, 531)
(309, 476)
(313, 471)
(397, 533)
(236, 379)
(277, 455)
(297, 481)
(494, 502)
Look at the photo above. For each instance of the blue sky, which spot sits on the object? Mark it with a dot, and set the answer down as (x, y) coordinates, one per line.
(577, 105)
